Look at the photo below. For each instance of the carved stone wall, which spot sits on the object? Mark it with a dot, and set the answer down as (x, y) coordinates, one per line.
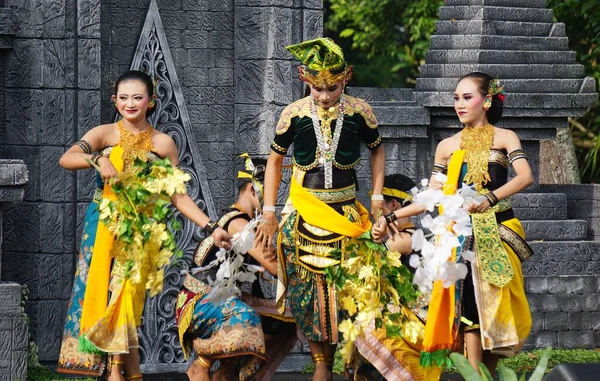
(52, 91)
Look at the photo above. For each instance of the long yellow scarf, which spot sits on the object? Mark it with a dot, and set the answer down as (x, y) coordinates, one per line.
(440, 330)
(96, 292)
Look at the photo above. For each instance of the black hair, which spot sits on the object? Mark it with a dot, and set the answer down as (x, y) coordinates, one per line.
(494, 114)
(136, 75)
(400, 182)
(243, 183)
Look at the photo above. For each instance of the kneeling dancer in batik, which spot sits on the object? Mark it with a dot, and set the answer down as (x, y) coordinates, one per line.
(326, 129)
(235, 331)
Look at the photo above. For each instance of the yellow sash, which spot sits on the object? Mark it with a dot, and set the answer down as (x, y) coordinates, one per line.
(318, 213)
(96, 292)
(439, 330)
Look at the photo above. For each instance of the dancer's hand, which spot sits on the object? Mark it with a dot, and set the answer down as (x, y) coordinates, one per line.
(222, 238)
(379, 230)
(479, 208)
(107, 169)
(266, 230)
(376, 209)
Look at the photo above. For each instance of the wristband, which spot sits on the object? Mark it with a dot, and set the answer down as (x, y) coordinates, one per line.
(390, 218)
(492, 198)
(377, 197)
(210, 227)
(95, 158)
(268, 208)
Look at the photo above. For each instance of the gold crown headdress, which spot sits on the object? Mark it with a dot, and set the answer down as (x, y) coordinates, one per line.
(323, 62)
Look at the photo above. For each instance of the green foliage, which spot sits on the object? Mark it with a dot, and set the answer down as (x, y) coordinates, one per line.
(582, 20)
(526, 361)
(386, 40)
(506, 374)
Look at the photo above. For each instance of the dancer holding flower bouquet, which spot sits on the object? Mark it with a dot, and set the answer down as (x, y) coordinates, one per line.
(113, 275)
(490, 305)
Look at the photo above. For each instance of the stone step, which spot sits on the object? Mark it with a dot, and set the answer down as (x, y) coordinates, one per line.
(502, 28)
(499, 56)
(371, 94)
(575, 71)
(472, 41)
(504, 13)
(555, 230)
(401, 115)
(563, 258)
(542, 104)
(511, 86)
(540, 206)
(504, 3)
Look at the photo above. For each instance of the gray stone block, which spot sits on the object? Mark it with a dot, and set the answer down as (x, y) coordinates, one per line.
(201, 58)
(312, 24)
(591, 302)
(537, 320)
(195, 76)
(252, 118)
(250, 79)
(579, 321)
(574, 191)
(557, 230)
(224, 58)
(571, 284)
(595, 317)
(24, 64)
(536, 285)
(89, 103)
(545, 339)
(50, 322)
(13, 172)
(571, 303)
(89, 64)
(576, 339)
(221, 114)
(56, 183)
(30, 18)
(261, 27)
(556, 321)
(88, 19)
(544, 303)
(220, 77)
(196, 39)
(58, 113)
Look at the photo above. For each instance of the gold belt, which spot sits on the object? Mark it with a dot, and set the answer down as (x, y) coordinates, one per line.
(334, 195)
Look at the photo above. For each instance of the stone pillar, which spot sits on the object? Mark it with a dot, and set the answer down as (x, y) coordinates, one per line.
(265, 74)
(518, 42)
(52, 79)
(14, 333)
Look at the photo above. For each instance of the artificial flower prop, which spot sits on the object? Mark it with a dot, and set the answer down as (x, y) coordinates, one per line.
(142, 221)
(370, 281)
(446, 231)
(232, 269)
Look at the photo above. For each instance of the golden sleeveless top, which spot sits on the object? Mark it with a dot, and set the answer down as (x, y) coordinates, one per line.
(135, 146)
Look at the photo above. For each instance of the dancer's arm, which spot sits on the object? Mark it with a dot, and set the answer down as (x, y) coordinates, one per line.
(165, 147)
(264, 258)
(377, 176)
(267, 229)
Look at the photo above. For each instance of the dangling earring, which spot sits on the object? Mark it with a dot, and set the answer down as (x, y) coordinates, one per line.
(487, 104)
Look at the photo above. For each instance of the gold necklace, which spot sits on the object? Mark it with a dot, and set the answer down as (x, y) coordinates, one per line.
(477, 141)
(135, 146)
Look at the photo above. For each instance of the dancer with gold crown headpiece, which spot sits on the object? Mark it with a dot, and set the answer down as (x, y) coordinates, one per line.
(326, 129)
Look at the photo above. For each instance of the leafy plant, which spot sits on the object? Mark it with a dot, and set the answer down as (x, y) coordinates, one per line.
(506, 374)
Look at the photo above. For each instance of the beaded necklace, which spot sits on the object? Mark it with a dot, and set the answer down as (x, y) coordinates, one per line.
(325, 151)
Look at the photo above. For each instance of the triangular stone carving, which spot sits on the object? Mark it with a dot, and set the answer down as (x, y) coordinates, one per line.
(158, 334)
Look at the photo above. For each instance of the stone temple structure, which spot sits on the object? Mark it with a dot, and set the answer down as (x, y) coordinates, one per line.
(223, 78)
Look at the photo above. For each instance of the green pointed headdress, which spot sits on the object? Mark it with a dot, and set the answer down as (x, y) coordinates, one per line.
(323, 62)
